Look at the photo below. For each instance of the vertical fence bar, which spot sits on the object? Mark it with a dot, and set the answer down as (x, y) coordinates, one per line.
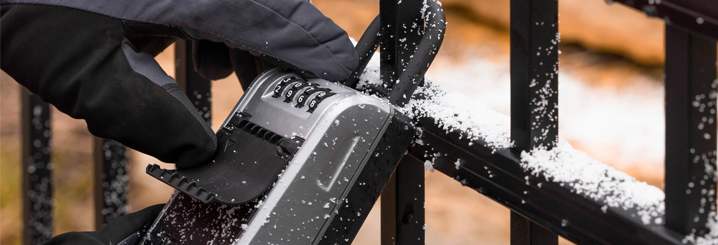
(401, 28)
(36, 169)
(402, 205)
(534, 73)
(197, 88)
(111, 181)
(525, 231)
(402, 201)
(690, 130)
(534, 93)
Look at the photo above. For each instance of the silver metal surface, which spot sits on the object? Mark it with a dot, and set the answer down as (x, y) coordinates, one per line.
(339, 137)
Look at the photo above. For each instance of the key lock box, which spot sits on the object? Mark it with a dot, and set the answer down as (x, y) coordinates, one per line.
(299, 161)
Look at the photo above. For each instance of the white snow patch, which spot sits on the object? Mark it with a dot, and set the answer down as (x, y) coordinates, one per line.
(710, 238)
(589, 177)
(429, 165)
(371, 74)
(454, 111)
(451, 110)
(623, 126)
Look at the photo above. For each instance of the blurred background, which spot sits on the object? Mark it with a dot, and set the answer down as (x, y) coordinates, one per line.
(611, 83)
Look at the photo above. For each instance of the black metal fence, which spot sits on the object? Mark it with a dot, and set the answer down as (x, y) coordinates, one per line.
(691, 33)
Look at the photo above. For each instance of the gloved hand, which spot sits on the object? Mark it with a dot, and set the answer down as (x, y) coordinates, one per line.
(93, 59)
(113, 233)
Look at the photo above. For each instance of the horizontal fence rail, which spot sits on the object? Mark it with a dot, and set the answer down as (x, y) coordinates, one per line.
(698, 16)
(498, 174)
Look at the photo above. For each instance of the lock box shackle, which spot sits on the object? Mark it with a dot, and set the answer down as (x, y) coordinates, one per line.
(413, 76)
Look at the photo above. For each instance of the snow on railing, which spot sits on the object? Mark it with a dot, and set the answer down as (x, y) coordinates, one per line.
(587, 176)
(453, 111)
(710, 238)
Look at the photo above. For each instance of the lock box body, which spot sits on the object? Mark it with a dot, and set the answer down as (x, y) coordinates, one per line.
(299, 161)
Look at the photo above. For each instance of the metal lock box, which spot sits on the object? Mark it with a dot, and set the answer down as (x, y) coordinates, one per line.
(299, 161)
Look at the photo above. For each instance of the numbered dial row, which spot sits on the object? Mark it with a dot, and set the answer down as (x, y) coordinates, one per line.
(301, 93)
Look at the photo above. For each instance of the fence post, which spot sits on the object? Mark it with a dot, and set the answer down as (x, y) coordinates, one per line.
(534, 93)
(402, 201)
(402, 205)
(36, 169)
(690, 130)
(197, 88)
(111, 181)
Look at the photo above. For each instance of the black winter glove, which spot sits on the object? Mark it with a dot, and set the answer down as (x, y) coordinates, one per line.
(113, 233)
(93, 59)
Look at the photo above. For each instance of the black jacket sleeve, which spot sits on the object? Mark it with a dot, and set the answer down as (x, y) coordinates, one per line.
(114, 232)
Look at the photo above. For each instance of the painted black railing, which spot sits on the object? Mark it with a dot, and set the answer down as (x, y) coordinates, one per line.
(549, 209)
(111, 181)
(37, 169)
(553, 208)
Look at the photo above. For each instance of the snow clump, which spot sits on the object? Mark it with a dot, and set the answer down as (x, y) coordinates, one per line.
(590, 177)
(453, 111)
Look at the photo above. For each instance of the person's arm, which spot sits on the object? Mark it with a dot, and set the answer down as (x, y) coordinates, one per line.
(113, 233)
(93, 60)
